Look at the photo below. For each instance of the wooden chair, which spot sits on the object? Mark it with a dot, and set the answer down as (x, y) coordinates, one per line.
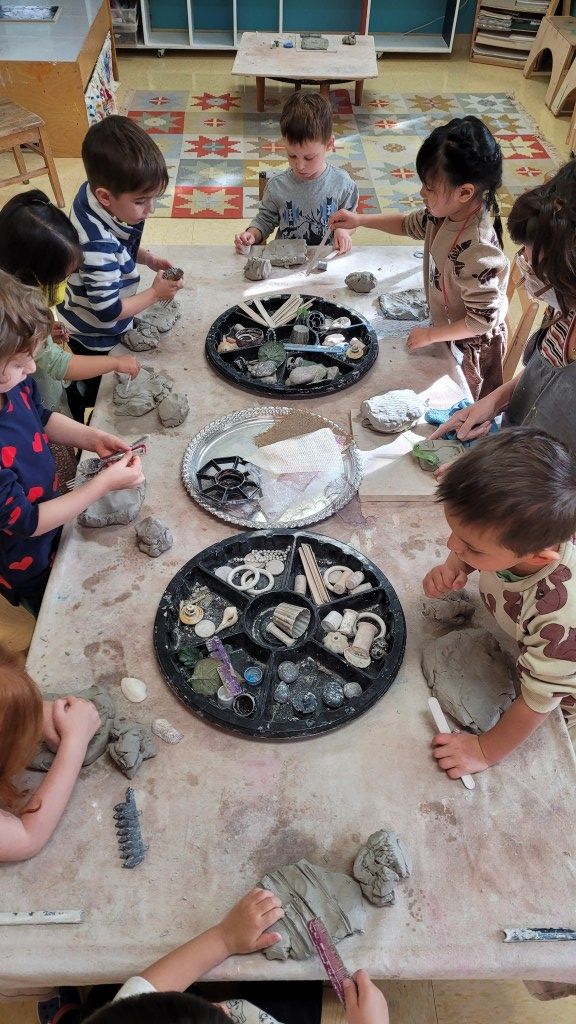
(559, 36)
(517, 337)
(571, 140)
(20, 127)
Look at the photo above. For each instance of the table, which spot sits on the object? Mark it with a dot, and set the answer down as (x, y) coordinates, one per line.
(338, 64)
(218, 810)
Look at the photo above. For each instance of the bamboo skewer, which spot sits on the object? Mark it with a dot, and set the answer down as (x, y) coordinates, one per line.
(310, 566)
(281, 317)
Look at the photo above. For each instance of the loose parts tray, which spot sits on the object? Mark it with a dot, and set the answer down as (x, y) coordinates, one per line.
(248, 643)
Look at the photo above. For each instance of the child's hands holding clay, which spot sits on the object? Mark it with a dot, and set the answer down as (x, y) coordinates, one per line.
(50, 733)
(105, 444)
(364, 1002)
(75, 720)
(342, 240)
(243, 930)
(459, 753)
(450, 575)
(344, 219)
(469, 423)
(125, 473)
(127, 364)
(246, 238)
(164, 287)
(156, 262)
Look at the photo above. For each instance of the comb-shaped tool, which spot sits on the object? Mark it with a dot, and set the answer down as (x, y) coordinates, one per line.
(441, 724)
(329, 955)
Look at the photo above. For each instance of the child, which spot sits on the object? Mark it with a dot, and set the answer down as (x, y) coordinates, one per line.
(543, 221)
(31, 512)
(299, 201)
(68, 725)
(510, 503)
(465, 269)
(157, 994)
(40, 247)
(126, 172)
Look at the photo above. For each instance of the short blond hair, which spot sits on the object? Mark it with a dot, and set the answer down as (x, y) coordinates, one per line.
(25, 318)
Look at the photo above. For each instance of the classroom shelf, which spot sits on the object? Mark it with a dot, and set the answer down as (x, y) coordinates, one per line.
(504, 30)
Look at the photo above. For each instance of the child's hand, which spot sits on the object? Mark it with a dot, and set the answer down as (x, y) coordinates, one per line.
(443, 578)
(127, 364)
(343, 219)
(459, 753)
(419, 337)
(469, 423)
(49, 731)
(246, 238)
(164, 288)
(157, 262)
(243, 930)
(364, 1002)
(107, 444)
(126, 473)
(342, 240)
(59, 332)
(76, 720)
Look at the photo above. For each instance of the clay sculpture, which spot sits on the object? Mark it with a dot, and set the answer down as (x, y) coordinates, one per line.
(313, 42)
(393, 411)
(306, 891)
(127, 822)
(142, 338)
(153, 536)
(137, 397)
(106, 708)
(407, 305)
(349, 40)
(161, 315)
(453, 610)
(173, 409)
(379, 864)
(361, 281)
(471, 675)
(130, 744)
(257, 268)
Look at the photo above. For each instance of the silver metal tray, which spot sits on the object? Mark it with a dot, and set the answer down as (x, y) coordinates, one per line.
(234, 435)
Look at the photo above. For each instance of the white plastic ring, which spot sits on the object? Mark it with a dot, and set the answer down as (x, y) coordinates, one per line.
(247, 571)
(372, 618)
(261, 590)
(328, 574)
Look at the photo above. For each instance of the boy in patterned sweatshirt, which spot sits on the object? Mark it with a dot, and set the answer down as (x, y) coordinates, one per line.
(510, 503)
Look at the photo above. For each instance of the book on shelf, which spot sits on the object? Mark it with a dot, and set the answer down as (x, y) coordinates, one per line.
(518, 56)
(510, 42)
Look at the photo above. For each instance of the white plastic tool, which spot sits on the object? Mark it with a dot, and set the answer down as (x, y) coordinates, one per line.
(318, 255)
(442, 726)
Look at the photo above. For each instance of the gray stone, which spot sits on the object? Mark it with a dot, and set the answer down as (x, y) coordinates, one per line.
(153, 536)
(361, 281)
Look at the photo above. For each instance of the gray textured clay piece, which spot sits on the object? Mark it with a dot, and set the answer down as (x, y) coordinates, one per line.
(130, 744)
(288, 672)
(173, 410)
(455, 610)
(142, 338)
(161, 316)
(407, 305)
(106, 708)
(393, 411)
(361, 281)
(471, 675)
(333, 694)
(306, 891)
(282, 693)
(431, 454)
(257, 268)
(117, 508)
(286, 252)
(379, 864)
(153, 536)
(137, 397)
(349, 40)
(313, 43)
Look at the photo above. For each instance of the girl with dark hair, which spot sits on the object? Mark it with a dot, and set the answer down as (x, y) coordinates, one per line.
(465, 269)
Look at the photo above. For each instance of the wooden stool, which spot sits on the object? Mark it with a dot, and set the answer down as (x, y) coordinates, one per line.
(566, 88)
(559, 36)
(20, 127)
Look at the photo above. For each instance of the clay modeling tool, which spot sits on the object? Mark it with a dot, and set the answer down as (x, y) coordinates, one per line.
(132, 846)
(96, 465)
(318, 255)
(227, 674)
(539, 934)
(42, 917)
(441, 724)
(329, 955)
(333, 350)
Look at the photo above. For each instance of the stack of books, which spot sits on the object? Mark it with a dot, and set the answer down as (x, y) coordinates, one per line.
(505, 29)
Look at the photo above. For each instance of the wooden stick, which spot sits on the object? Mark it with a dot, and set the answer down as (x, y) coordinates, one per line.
(263, 312)
(251, 314)
(318, 255)
(310, 566)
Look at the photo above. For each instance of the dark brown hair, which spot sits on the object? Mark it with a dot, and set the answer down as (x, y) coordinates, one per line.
(120, 156)
(160, 1008)
(519, 484)
(25, 319)
(306, 117)
(38, 244)
(20, 730)
(545, 218)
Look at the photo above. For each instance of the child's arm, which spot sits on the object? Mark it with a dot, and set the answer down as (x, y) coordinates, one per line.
(265, 221)
(148, 259)
(126, 473)
(364, 1002)
(390, 222)
(84, 367)
(243, 930)
(162, 289)
(449, 576)
(348, 200)
(252, 236)
(476, 419)
(420, 337)
(76, 721)
(460, 753)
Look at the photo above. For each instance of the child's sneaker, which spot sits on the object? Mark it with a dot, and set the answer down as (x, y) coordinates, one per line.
(162, 316)
(142, 337)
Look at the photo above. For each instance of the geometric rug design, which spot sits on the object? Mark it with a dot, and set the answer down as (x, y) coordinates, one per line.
(215, 145)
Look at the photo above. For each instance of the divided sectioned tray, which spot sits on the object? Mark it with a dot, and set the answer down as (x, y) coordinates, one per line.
(249, 645)
(350, 370)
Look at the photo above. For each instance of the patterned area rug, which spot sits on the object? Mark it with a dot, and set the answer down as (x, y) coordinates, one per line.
(215, 146)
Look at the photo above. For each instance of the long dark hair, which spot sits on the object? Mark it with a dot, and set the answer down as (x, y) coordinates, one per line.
(38, 244)
(160, 1008)
(464, 152)
(545, 218)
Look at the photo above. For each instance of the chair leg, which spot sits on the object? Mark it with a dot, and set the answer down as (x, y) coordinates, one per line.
(325, 89)
(21, 164)
(51, 167)
(260, 85)
(358, 92)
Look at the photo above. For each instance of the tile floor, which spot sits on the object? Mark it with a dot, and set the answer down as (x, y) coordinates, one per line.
(443, 1002)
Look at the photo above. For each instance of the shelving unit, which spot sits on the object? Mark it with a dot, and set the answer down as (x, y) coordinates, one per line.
(377, 17)
(504, 30)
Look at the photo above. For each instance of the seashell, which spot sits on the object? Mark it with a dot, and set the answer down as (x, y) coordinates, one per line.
(282, 694)
(288, 671)
(332, 622)
(133, 689)
(205, 628)
(229, 617)
(161, 727)
(336, 642)
(361, 281)
(227, 345)
(341, 321)
(262, 368)
(190, 613)
(352, 690)
(333, 694)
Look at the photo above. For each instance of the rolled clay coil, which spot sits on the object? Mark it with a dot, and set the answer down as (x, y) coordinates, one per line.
(348, 624)
(300, 585)
(334, 587)
(371, 617)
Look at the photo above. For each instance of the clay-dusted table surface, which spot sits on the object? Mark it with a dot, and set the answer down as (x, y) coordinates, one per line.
(217, 810)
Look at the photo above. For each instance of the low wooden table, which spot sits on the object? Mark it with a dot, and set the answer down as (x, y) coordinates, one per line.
(340, 63)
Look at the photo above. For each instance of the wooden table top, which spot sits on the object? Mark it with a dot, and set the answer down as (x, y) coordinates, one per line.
(255, 56)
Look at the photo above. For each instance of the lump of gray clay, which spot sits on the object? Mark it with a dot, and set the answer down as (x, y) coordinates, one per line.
(407, 305)
(471, 675)
(142, 338)
(361, 281)
(257, 268)
(306, 891)
(153, 536)
(141, 395)
(454, 610)
(173, 410)
(286, 252)
(393, 411)
(161, 316)
(379, 864)
(130, 744)
(313, 43)
(106, 708)
(349, 40)
(117, 508)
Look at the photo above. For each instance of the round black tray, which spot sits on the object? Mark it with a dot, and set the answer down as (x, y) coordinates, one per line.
(246, 644)
(350, 370)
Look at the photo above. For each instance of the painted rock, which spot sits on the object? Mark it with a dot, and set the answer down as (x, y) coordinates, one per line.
(333, 694)
(282, 694)
(305, 703)
(288, 672)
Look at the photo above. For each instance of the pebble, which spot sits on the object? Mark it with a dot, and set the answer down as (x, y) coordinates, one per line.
(288, 672)
(282, 694)
(352, 690)
(205, 628)
(333, 694)
(305, 703)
